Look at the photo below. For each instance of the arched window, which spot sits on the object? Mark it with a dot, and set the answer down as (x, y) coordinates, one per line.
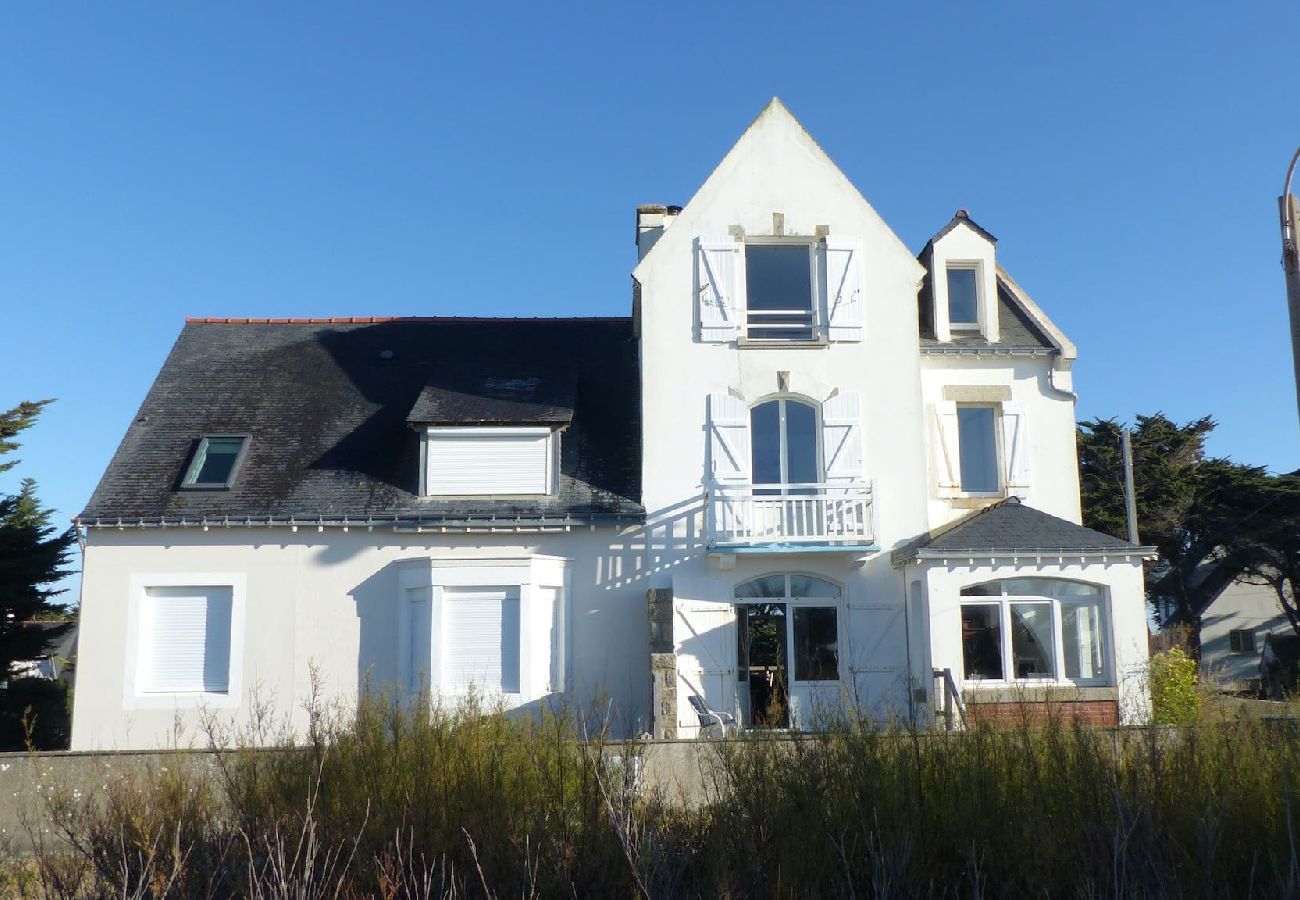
(787, 626)
(784, 446)
(1057, 631)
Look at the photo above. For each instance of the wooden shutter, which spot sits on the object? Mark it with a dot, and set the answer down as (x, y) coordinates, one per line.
(480, 639)
(704, 635)
(844, 304)
(185, 640)
(728, 439)
(842, 438)
(1015, 448)
(947, 448)
(488, 461)
(715, 294)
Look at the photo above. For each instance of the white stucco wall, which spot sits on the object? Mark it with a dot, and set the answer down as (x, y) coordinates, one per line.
(329, 601)
(1241, 606)
(942, 582)
(1054, 467)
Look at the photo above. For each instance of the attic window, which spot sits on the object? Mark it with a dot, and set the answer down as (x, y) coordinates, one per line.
(216, 462)
(479, 461)
(963, 297)
(780, 301)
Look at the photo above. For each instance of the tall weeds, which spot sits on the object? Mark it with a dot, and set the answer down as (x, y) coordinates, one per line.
(410, 800)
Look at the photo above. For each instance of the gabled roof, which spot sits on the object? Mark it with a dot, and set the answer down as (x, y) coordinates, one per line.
(961, 217)
(1017, 329)
(326, 403)
(1010, 527)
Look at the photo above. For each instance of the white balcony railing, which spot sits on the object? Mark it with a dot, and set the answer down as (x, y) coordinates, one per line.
(749, 515)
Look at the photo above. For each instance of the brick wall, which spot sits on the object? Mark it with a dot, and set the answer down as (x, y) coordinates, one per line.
(1102, 713)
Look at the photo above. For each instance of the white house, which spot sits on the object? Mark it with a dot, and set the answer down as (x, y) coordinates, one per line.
(826, 468)
(1234, 627)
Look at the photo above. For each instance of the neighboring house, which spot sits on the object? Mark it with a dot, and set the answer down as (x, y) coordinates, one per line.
(1234, 626)
(822, 466)
(59, 659)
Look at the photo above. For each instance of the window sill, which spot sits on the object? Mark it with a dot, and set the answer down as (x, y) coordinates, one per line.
(745, 343)
(976, 501)
(184, 700)
(975, 692)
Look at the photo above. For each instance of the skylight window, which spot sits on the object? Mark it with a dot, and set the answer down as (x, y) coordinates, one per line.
(216, 462)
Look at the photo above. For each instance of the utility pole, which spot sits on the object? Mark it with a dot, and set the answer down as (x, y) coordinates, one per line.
(1289, 213)
(1130, 494)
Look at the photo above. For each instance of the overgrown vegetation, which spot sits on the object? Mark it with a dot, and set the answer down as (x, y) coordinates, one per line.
(392, 802)
(1174, 698)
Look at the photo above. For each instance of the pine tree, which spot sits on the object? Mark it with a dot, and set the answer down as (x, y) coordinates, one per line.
(33, 556)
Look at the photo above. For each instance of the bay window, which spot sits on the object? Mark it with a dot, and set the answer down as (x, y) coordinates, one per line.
(1034, 629)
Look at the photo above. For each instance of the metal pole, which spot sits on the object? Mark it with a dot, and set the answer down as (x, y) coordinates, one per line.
(1130, 493)
(1289, 214)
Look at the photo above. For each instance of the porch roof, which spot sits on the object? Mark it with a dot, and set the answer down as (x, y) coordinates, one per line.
(1011, 527)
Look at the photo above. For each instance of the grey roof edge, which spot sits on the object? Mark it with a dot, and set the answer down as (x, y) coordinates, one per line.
(334, 520)
(919, 548)
(907, 554)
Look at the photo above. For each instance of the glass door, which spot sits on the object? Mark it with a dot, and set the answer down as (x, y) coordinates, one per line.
(762, 671)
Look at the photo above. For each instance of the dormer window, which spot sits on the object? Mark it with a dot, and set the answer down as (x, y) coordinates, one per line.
(963, 298)
(482, 461)
(780, 303)
(216, 462)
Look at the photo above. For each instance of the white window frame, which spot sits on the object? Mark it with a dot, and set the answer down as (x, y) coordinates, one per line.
(486, 431)
(838, 604)
(1004, 602)
(137, 590)
(999, 451)
(817, 323)
(532, 575)
(967, 265)
(783, 400)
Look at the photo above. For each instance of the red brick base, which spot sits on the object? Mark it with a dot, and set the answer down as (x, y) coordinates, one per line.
(1102, 713)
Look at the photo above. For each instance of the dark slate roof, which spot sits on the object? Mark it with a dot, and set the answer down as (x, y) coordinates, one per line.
(326, 404)
(1016, 330)
(488, 394)
(960, 217)
(1010, 526)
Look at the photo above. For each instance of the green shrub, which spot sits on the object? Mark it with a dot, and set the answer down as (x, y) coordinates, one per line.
(1174, 700)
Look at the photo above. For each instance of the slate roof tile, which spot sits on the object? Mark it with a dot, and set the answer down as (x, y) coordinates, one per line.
(326, 401)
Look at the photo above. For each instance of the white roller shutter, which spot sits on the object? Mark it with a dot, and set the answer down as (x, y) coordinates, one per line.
(480, 639)
(842, 438)
(715, 289)
(844, 305)
(1015, 447)
(185, 640)
(488, 461)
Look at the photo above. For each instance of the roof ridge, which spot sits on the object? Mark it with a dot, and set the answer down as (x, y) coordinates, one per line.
(380, 320)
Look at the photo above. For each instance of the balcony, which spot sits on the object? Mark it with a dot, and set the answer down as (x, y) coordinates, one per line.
(790, 517)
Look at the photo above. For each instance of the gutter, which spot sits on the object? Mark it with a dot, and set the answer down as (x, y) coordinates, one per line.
(1015, 554)
(397, 524)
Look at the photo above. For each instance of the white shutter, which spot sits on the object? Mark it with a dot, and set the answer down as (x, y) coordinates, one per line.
(947, 448)
(185, 640)
(479, 461)
(480, 639)
(419, 632)
(704, 636)
(728, 439)
(1015, 448)
(715, 294)
(844, 305)
(842, 438)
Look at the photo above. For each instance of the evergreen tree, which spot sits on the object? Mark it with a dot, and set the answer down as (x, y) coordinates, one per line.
(1203, 514)
(33, 556)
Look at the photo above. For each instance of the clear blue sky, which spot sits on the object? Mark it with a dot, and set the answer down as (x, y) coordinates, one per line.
(164, 160)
